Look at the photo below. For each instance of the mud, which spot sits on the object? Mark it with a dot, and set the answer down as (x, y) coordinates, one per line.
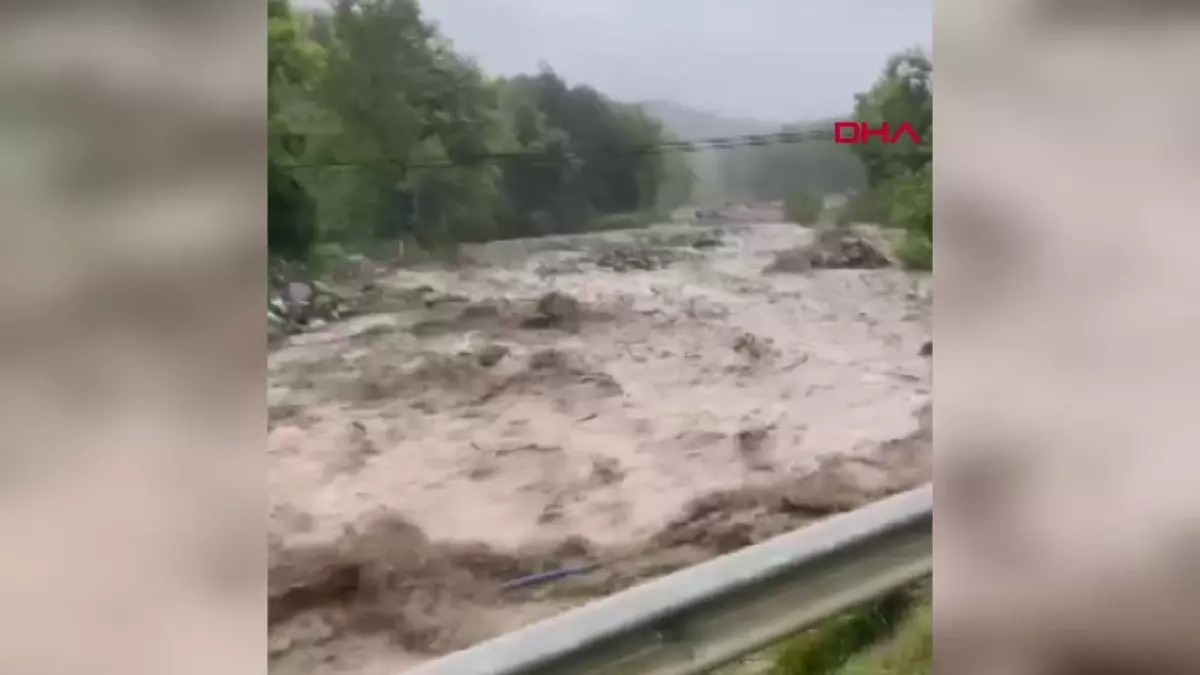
(424, 456)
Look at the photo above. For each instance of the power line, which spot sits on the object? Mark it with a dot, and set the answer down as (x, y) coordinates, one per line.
(697, 145)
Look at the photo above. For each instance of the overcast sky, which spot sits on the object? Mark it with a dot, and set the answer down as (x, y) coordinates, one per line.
(776, 60)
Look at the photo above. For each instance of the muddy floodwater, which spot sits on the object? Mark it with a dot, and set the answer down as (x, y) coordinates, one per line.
(638, 401)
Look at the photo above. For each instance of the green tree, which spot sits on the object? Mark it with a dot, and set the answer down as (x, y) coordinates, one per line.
(582, 156)
(901, 174)
(542, 179)
(292, 64)
(380, 131)
(902, 94)
(392, 98)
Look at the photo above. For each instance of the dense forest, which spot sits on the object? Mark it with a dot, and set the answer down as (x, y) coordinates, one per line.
(380, 131)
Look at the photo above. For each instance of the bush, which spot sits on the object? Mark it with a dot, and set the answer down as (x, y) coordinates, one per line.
(908, 200)
(916, 252)
(803, 208)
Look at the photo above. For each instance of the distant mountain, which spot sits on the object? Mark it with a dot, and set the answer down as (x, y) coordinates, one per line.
(753, 174)
(689, 123)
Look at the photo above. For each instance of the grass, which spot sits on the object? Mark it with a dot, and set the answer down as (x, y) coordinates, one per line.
(909, 651)
(891, 636)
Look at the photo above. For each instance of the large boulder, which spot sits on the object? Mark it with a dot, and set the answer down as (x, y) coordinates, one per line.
(846, 248)
(556, 310)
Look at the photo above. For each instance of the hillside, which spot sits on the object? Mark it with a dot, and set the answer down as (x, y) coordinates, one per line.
(689, 123)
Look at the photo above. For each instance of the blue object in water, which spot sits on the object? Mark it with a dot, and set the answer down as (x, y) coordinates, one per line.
(545, 577)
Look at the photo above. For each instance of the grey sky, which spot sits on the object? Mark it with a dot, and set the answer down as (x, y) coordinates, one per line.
(770, 59)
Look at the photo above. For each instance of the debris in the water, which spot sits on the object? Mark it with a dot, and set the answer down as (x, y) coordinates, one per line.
(544, 577)
(491, 355)
(556, 310)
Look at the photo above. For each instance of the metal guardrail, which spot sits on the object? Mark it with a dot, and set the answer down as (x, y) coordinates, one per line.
(706, 616)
